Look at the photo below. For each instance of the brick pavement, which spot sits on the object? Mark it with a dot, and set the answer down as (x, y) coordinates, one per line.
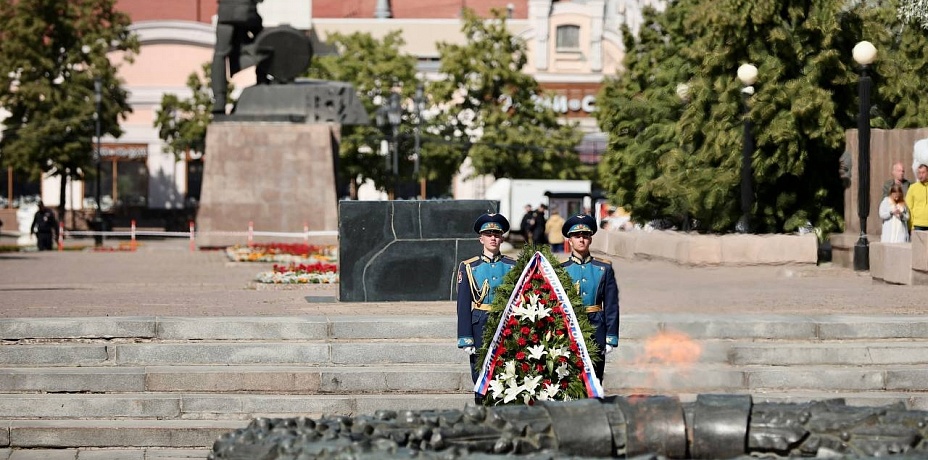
(165, 278)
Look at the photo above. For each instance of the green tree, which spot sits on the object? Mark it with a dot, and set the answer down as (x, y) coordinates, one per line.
(50, 53)
(489, 101)
(376, 68)
(640, 110)
(914, 11)
(900, 98)
(182, 123)
(804, 80)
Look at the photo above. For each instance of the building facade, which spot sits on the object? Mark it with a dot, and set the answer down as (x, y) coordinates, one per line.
(573, 46)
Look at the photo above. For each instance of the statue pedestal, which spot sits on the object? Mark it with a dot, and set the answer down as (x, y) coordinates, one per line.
(280, 176)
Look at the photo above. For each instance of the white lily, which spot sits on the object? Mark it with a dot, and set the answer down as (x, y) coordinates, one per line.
(497, 388)
(536, 352)
(530, 384)
(558, 352)
(562, 371)
(512, 391)
(549, 392)
(509, 372)
(526, 309)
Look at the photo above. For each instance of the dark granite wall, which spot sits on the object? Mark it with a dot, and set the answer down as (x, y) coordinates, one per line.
(405, 250)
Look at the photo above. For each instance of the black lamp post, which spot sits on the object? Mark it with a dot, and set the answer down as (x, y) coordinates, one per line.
(417, 102)
(683, 92)
(747, 73)
(864, 54)
(392, 114)
(98, 101)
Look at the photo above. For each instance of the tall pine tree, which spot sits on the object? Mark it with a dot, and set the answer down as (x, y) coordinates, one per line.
(50, 53)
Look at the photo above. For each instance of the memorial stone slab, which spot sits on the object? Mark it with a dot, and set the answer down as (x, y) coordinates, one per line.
(405, 250)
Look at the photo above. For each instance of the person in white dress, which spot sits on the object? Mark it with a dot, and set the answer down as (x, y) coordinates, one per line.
(895, 215)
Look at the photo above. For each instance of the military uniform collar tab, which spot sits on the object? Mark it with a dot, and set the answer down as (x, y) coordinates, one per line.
(581, 260)
(489, 259)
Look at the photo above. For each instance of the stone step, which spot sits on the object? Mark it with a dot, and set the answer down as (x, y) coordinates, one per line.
(224, 379)
(138, 453)
(58, 434)
(209, 406)
(411, 351)
(760, 327)
(305, 380)
(630, 353)
(205, 406)
(714, 378)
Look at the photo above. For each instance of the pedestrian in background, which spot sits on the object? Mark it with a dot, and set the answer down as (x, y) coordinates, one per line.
(553, 229)
(538, 228)
(897, 179)
(44, 227)
(916, 199)
(895, 217)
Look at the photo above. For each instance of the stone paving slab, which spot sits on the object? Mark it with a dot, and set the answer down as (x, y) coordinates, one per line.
(163, 278)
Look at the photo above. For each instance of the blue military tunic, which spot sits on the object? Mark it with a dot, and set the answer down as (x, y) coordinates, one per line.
(478, 278)
(594, 280)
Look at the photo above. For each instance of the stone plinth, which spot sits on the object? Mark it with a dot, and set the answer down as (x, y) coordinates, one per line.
(281, 176)
(891, 262)
(709, 250)
(405, 250)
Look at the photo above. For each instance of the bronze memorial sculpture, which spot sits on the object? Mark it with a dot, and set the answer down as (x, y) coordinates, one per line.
(238, 24)
(712, 427)
(280, 55)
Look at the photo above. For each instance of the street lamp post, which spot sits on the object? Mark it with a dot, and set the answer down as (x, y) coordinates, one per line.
(683, 92)
(417, 102)
(864, 54)
(392, 114)
(747, 73)
(98, 101)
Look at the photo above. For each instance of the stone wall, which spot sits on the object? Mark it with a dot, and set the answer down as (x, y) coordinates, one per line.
(709, 250)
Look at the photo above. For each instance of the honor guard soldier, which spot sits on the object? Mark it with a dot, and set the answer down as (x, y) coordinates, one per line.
(595, 281)
(478, 278)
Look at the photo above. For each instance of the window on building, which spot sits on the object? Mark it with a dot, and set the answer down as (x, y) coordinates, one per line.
(568, 38)
(123, 184)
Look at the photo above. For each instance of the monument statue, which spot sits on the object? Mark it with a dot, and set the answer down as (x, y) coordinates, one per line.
(272, 159)
(238, 25)
(280, 55)
(712, 427)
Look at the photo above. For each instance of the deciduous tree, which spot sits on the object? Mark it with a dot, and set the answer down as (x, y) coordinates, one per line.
(50, 53)
(489, 101)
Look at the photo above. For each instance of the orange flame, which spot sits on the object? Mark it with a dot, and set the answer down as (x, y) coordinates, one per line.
(667, 358)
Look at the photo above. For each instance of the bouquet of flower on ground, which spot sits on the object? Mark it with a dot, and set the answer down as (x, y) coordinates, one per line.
(283, 253)
(316, 273)
(535, 347)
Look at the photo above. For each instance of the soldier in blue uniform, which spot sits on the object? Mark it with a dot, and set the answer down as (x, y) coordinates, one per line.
(478, 278)
(595, 281)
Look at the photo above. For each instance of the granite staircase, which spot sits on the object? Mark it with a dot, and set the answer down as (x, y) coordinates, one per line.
(167, 387)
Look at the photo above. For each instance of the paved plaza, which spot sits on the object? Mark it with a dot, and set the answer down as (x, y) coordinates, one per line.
(166, 278)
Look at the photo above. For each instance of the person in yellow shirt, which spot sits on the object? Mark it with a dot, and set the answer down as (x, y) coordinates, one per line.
(553, 230)
(917, 200)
